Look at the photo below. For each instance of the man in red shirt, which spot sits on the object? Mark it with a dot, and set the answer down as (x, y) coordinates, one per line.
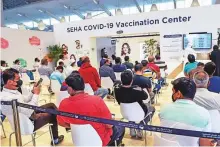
(153, 67)
(91, 76)
(84, 104)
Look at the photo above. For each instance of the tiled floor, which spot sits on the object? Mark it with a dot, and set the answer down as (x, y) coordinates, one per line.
(44, 140)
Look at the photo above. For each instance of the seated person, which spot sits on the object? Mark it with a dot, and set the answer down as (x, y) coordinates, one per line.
(153, 67)
(3, 65)
(141, 81)
(57, 75)
(192, 64)
(61, 59)
(161, 64)
(214, 81)
(79, 63)
(12, 83)
(128, 64)
(36, 63)
(44, 69)
(107, 71)
(183, 113)
(118, 67)
(147, 72)
(91, 76)
(102, 61)
(94, 107)
(19, 68)
(199, 67)
(130, 94)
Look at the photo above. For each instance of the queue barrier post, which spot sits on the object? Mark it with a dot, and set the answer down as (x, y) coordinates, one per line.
(16, 123)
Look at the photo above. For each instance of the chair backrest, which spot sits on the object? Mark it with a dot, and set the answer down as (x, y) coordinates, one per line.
(88, 89)
(215, 120)
(26, 125)
(62, 95)
(148, 97)
(55, 86)
(159, 141)
(46, 80)
(85, 135)
(107, 82)
(132, 111)
(118, 76)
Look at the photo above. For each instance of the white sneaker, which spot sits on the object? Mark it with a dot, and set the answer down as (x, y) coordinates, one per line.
(132, 133)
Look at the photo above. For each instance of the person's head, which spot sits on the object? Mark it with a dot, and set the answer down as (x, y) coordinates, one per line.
(125, 49)
(136, 62)
(61, 63)
(215, 47)
(144, 63)
(107, 61)
(157, 57)
(85, 60)
(151, 59)
(210, 68)
(73, 57)
(201, 65)
(60, 69)
(126, 58)
(75, 83)
(63, 46)
(73, 64)
(191, 58)
(44, 62)
(113, 57)
(127, 78)
(61, 57)
(11, 79)
(118, 60)
(201, 79)
(17, 61)
(183, 88)
(105, 56)
(3, 63)
(138, 68)
(36, 59)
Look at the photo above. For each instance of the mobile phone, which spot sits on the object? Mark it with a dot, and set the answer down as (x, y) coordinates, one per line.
(39, 82)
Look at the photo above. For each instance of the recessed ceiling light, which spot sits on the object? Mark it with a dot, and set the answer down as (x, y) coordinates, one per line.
(65, 6)
(19, 14)
(40, 10)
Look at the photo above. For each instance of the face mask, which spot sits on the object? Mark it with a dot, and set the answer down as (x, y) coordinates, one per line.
(19, 83)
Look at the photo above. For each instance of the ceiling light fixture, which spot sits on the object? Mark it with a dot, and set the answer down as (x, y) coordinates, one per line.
(65, 6)
(41, 25)
(40, 10)
(19, 14)
(96, 1)
(195, 3)
(89, 15)
(118, 12)
(153, 8)
(21, 27)
(63, 19)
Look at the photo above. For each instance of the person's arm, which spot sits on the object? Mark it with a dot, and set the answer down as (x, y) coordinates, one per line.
(50, 71)
(32, 98)
(96, 76)
(140, 94)
(112, 75)
(61, 119)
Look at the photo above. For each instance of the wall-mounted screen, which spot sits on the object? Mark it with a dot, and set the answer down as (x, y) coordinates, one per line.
(197, 41)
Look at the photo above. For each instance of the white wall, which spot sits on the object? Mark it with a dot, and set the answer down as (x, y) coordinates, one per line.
(19, 46)
(202, 19)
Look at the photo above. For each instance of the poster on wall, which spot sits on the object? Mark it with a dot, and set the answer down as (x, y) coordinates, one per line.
(125, 50)
(34, 41)
(150, 47)
(4, 43)
(172, 47)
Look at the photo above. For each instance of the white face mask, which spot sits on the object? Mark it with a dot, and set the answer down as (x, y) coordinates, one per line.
(72, 60)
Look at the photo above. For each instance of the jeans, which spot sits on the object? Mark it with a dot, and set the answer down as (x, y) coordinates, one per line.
(30, 74)
(117, 135)
(101, 92)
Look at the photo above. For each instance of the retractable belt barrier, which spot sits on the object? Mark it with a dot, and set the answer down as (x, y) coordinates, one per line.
(122, 124)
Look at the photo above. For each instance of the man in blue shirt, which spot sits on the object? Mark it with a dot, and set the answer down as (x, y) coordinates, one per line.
(214, 81)
(118, 67)
(107, 71)
(192, 64)
(102, 61)
(57, 75)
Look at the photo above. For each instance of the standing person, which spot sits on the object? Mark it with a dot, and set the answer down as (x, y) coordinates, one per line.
(113, 59)
(58, 75)
(10, 92)
(61, 59)
(128, 64)
(214, 81)
(3, 65)
(192, 64)
(215, 57)
(183, 113)
(79, 63)
(91, 76)
(94, 106)
(72, 59)
(36, 63)
(118, 67)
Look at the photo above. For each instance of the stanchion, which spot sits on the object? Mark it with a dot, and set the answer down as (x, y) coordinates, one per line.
(16, 123)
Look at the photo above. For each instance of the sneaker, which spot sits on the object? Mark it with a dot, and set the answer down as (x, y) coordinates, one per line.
(132, 133)
(139, 134)
(60, 139)
(110, 97)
